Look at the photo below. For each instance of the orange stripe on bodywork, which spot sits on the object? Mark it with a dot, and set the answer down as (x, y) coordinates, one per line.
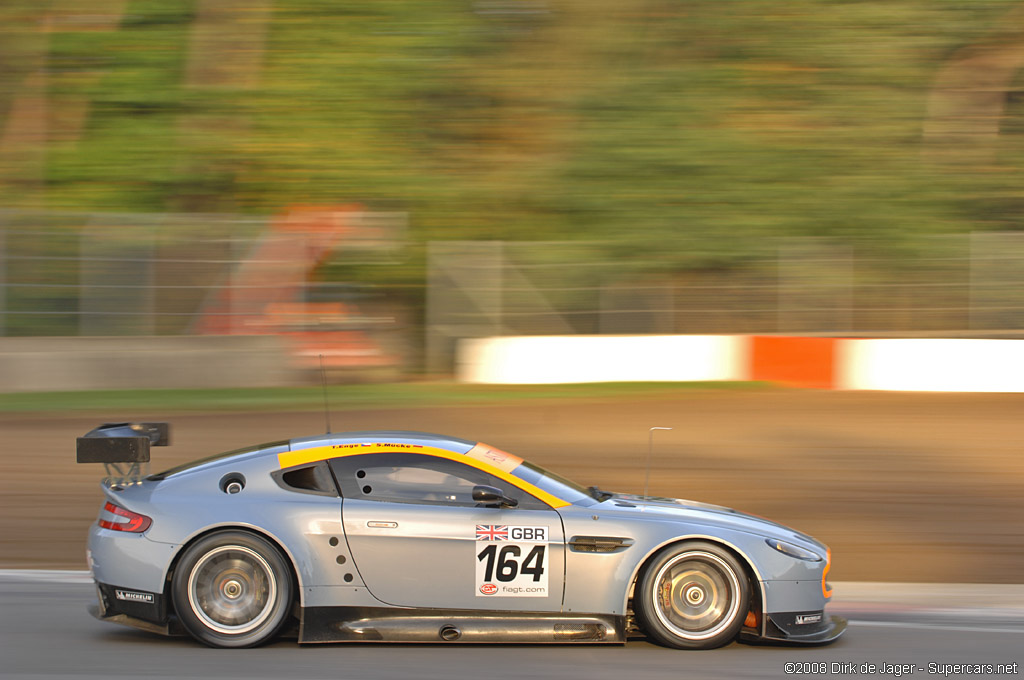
(476, 457)
(825, 590)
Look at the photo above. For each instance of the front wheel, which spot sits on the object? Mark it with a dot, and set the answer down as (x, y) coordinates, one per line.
(692, 595)
(232, 589)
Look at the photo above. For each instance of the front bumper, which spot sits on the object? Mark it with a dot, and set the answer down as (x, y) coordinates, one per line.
(786, 627)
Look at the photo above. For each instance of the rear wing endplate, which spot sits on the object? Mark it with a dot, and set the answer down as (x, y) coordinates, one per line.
(123, 448)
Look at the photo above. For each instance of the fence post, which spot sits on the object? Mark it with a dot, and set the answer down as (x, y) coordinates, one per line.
(781, 284)
(3, 277)
(465, 292)
(814, 286)
(996, 281)
(114, 274)
(973, 280)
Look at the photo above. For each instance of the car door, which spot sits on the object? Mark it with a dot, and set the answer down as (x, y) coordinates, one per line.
(418, 539)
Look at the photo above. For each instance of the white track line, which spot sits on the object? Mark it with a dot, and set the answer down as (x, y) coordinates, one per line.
(46, 575)
(935, 626)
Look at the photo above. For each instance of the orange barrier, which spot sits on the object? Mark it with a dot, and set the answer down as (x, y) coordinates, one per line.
(794, 361)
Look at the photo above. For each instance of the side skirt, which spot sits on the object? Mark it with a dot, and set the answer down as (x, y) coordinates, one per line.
(383, 624)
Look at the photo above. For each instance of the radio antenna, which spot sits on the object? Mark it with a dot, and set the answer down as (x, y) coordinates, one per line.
(650, 448)
(323, 381)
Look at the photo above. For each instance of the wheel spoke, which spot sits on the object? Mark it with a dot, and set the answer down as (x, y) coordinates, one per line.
(232, 589)
(696, 595)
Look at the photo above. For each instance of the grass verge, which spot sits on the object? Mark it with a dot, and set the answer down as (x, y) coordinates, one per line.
(341, 397)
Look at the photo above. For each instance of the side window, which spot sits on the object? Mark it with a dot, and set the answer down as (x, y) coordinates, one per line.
(313, 479)
(413, 484)
(411, 478)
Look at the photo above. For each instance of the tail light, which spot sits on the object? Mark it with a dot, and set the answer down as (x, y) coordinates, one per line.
(116, 518)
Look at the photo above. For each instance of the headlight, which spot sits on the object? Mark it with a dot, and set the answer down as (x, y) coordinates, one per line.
(793, 550)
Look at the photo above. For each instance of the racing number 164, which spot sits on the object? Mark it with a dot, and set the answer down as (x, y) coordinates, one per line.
(508, 566)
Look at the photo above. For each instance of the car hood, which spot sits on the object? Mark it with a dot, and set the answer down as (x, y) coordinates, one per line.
(682, 510)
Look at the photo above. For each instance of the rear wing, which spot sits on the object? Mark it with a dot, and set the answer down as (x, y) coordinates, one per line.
(123, 448)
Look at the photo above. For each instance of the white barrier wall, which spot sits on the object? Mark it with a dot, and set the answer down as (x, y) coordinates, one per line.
(913, 365)
(602, 358)
(932, 365)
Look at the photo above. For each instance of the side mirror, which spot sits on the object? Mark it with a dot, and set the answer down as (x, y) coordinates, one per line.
(489, 495)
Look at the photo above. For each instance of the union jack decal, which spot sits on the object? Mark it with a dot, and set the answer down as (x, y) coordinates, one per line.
(491, 532)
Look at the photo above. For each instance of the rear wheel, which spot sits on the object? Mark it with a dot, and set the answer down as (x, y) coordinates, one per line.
(232, 589)
(692, 595)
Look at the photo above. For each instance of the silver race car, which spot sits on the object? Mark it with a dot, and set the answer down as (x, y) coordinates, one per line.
(414, 537)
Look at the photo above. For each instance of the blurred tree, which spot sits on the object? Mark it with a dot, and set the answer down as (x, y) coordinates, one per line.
(683, 134)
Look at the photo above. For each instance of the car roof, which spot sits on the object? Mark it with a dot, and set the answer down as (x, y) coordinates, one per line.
(383, 436)
(375, 439)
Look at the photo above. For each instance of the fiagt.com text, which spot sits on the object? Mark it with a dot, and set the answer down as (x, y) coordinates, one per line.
(897, 670)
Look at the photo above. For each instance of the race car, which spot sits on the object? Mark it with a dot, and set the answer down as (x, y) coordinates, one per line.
(394, 536)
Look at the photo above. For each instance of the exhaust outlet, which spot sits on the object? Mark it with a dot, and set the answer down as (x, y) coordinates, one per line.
(449, 633)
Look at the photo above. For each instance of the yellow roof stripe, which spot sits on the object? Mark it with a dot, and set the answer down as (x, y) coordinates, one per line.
(312, 455)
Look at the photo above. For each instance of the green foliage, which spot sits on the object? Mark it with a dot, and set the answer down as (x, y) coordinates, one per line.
(683, 134)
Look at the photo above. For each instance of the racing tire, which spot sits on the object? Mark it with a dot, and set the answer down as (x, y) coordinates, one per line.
(232, 589)
(692, 595)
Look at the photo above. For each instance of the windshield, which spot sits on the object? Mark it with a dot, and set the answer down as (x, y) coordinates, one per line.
(554, 484)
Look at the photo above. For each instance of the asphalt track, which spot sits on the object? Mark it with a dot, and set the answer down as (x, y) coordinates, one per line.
(45, 632)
